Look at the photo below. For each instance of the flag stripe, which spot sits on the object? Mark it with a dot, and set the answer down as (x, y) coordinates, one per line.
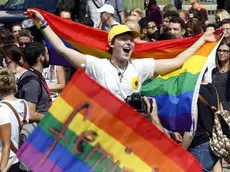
(174, 86)
(121, 133)
(177, 123)
(61, 156)
(109, 144)
(28, 151)
(175, 104)
(137, 124)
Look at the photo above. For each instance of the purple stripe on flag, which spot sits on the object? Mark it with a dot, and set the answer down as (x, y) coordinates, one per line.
(177, 123)
(30, 155)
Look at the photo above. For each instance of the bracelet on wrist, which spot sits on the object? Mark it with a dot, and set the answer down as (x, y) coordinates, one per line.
(43, 24)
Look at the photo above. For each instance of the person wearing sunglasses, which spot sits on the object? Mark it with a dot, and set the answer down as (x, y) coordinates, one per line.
(24, 39)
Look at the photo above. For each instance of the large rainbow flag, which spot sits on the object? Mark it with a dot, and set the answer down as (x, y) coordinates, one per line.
(89, 129)
(176, 92)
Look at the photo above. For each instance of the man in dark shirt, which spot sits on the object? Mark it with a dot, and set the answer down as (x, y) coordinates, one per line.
(35, 90)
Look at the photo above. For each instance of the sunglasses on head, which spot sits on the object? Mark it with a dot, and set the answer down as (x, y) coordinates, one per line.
(23, 43)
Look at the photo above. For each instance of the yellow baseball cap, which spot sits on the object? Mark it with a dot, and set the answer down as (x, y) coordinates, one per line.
(120, 29)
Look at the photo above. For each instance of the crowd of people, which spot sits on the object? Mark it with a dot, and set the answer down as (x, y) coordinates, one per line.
(29, 85)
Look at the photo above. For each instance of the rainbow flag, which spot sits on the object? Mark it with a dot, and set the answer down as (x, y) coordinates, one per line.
(89, 129)
(175, 93)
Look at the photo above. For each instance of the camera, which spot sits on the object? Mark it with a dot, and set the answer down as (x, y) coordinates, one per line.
(137, 102)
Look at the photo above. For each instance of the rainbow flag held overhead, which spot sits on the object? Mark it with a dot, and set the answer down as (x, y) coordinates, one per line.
(175, 93)
(89, 129)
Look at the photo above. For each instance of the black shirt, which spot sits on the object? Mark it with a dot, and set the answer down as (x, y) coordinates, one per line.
(206, 117)
(222, 83)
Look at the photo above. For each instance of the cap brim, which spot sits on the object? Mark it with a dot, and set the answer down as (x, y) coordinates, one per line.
(134, 33)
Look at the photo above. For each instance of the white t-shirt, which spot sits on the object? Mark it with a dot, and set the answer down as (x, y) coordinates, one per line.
(50, 75)
(123, 85)
(7, 114)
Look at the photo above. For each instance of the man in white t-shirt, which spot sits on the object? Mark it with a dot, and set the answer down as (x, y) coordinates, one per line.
(107, 18)
(120, 75)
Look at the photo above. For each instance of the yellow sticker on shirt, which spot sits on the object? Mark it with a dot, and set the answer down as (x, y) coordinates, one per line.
(135, 83)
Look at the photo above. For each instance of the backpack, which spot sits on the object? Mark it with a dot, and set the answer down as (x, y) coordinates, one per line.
(219, 141)
(25, 130)
(22, 82)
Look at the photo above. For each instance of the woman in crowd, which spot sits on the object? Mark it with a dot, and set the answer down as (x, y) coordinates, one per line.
(9, 125)
(199, 146)
(153, 12)
(221, 74)
(55, 78)
(14, 59)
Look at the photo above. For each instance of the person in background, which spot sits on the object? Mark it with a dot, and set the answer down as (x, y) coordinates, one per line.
(119, 7)
(65, 15)
(225, 23)
(221, 14)
(169, 7)
(133, 25)
(184, 15)
(132, 19)
(211, 27)
(15, 29)
(197, 7)
(166, 18)
(221, 74)
(24, 39)
(177, 27)
(6, 37)
(9, 126)
(166, 36)
(107, 17)
(55, 78)
(178, 4)
(199, 146)
(14, 59)
(137, 12)
(149, 31)
(93, 6)
(153, 12)
(35, 90)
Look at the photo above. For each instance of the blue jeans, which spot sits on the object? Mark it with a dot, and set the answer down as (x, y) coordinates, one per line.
(204, 155)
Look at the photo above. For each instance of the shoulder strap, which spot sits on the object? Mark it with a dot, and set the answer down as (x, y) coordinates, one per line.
(15, 113)
(13, 148)
(213, 108)
(25, 112)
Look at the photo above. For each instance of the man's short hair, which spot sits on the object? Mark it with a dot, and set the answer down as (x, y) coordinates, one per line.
(214, 25)
(138, 11)
(166, 36)
(178, 20)
(143, 23)
(170, 14)
(33, 51)
(225, 21)
(25, 33)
